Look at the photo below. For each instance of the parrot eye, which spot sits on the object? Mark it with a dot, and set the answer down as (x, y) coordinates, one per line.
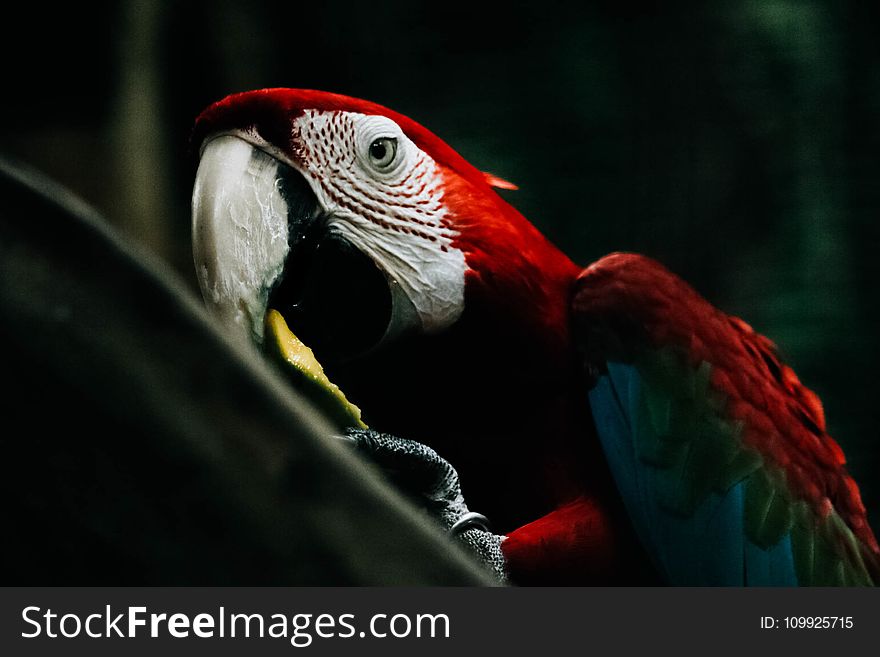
(382, 152)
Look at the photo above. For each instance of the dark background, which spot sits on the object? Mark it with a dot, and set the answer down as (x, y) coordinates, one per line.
(735, 141)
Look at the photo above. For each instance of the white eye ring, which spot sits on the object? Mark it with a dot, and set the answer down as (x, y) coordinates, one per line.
(383, 152)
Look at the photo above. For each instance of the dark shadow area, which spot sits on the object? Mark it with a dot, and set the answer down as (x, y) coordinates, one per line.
(140, 448)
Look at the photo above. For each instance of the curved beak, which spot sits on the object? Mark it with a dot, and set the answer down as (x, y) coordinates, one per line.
(244, 204)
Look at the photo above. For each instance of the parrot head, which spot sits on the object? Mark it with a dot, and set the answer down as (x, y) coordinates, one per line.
(435, 305)
(356, 223)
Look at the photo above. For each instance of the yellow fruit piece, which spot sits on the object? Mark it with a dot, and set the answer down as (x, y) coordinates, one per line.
(308, 375)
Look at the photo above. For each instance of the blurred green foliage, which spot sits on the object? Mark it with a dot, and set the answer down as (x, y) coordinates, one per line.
(735, 141)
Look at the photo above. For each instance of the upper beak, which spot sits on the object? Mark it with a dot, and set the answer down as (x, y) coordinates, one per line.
(241, 211)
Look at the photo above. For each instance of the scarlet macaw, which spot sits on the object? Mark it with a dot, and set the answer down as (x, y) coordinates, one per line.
(614, 425)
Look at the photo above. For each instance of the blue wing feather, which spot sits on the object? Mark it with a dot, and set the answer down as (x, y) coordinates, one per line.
(707, 547)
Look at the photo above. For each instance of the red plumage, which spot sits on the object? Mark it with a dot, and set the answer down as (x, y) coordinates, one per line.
(578, 542)
(644, 306)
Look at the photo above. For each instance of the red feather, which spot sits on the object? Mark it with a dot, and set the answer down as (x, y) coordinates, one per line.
(644, 305)
(500, 183)
(578, 542)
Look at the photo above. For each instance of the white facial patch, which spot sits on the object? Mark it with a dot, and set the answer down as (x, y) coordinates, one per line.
(384, 196)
